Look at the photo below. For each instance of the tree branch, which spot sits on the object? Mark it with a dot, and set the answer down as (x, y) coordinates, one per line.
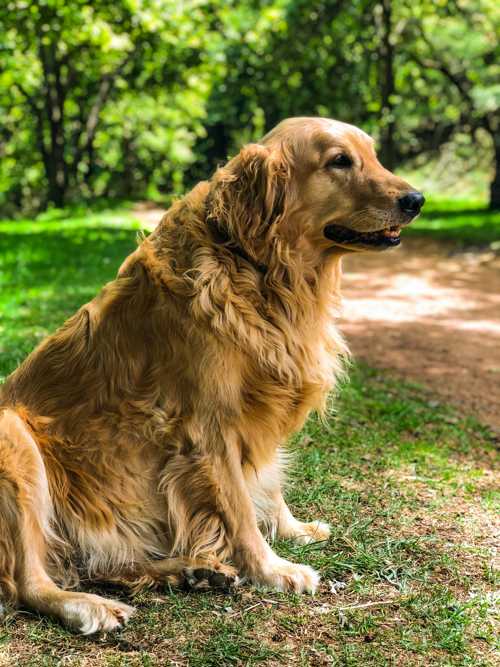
(461, 82)
(38, 114)
(90, 130)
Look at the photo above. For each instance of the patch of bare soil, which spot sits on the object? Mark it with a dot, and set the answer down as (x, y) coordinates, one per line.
(430, 314)
(148, 213)
(426, 312)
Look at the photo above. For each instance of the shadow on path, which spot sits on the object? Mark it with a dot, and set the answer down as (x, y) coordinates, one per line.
(433, 316)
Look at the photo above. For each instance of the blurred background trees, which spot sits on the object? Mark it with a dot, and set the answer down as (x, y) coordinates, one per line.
(141, 98)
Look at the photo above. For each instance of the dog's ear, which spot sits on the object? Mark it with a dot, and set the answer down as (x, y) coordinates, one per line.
(248, 195)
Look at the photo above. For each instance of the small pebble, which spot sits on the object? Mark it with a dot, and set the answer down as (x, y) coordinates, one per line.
(337, 586)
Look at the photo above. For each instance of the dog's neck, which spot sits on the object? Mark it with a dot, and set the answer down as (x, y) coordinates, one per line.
(220, 236)
(302, 284)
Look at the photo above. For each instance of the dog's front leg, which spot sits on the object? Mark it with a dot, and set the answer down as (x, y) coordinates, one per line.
(251, 553)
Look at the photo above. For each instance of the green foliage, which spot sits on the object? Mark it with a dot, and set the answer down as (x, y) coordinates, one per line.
(140, 98)
(106, 96)
(49, 268)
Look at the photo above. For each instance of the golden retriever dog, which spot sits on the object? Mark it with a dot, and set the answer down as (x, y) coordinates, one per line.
(142, 442)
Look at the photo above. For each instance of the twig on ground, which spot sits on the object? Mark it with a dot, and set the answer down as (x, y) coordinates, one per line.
(367, 604)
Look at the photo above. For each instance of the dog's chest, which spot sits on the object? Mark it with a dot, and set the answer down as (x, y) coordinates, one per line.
(277, 404)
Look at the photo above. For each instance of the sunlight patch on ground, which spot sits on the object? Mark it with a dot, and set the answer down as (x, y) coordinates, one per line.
(433, 315)
(407, 298)
(403, 299)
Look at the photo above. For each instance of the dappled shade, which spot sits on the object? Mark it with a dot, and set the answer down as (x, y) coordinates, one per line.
(432, 313)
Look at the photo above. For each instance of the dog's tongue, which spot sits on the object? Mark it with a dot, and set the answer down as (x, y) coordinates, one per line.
(392, 232)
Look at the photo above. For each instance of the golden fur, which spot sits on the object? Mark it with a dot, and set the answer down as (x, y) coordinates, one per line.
(141, 442)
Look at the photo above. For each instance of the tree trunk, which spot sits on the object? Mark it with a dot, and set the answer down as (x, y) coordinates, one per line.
(54, 95)
(388, 88)
(57, 190)
(214, 147)
(495, 183)
(128, 184)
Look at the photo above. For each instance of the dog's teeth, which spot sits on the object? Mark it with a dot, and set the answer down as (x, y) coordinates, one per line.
(392, 233)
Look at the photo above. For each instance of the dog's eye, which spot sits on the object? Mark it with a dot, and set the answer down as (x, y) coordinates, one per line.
(341, 161)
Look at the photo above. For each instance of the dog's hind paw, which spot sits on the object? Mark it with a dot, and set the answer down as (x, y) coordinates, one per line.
(308, 533)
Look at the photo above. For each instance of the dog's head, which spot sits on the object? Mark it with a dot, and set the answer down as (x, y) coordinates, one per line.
(316, 183)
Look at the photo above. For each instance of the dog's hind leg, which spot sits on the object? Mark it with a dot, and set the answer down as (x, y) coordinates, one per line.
(25, 537)
(274, 515)
(300, 532)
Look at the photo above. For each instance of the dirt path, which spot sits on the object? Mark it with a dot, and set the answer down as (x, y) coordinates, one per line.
(427, 314)
(430, 315)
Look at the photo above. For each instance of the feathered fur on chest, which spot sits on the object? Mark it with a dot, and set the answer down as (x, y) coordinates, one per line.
(266, 341)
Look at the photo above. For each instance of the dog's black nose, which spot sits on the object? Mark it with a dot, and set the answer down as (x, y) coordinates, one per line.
(412, 203)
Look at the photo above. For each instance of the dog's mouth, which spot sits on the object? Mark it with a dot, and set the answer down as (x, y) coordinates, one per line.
(382, 238)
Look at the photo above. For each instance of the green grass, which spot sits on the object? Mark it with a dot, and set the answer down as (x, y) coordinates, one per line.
(463, 221)
(48, 268)
(408, 485)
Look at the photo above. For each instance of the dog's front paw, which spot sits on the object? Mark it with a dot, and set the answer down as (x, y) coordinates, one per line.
(307, 533)
(87, 613)
(211, 575)
(282, 575)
